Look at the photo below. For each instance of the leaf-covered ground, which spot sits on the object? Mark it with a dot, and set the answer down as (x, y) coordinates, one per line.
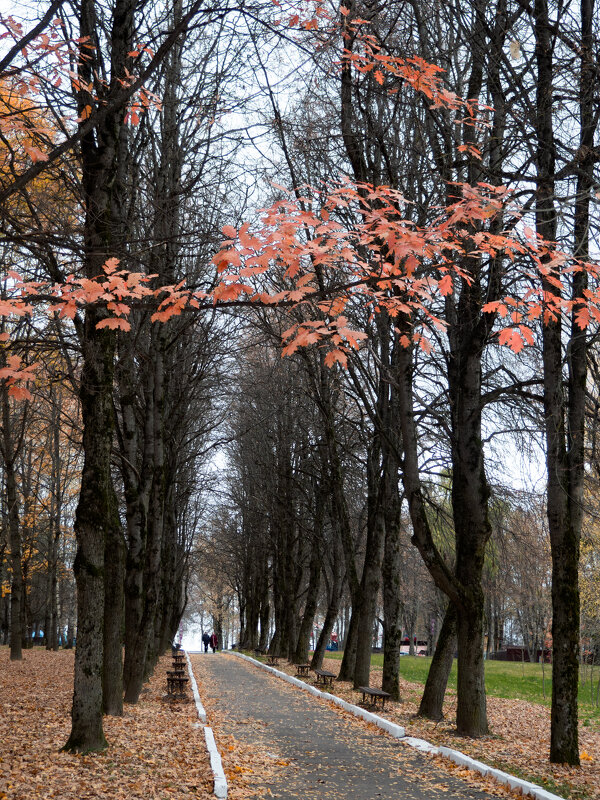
(155, 751)
(519, 742)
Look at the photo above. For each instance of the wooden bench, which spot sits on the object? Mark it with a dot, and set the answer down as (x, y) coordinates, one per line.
(178, 658)
(302, 670)
(325, 677)
(176, 685)
(375, 695)
(176, 673)
(273, 661)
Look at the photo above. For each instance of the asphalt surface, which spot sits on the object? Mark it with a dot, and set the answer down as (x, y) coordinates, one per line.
(331, 756)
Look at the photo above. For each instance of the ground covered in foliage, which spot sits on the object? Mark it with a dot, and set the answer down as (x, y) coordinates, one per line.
(157, 752)
(154, 749)
(519, 742)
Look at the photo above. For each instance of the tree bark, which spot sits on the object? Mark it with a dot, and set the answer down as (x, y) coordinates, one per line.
(17, 584)
(312, 592)
(100, 150)
(392, 608)
(333, 608)
(346, 672)
(114, 599)
(432, 702)
(564, 416)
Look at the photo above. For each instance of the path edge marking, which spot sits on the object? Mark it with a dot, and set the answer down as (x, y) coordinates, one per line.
(526, 788)
(216, 764)
(220, 781)
(194, 685)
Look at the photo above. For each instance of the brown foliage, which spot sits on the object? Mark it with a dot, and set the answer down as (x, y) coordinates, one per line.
(154, 750)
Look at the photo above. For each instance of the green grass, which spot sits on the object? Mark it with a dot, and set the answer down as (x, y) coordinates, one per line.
(511, 680)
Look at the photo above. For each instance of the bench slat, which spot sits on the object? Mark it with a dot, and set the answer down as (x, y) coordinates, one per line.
(376, 694)
(325, 677)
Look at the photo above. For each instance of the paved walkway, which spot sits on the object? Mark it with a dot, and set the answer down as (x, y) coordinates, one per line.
(331, 756)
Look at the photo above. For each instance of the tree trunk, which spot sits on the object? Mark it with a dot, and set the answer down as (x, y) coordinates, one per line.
(92, 517)
(333, 608)
(54, 532)
(564, 417)
(9, 449)
(325, 633)
(17, 584)
(265, 608)
(471, 717)
(432, 702)
(114, 580)
(392, 600)
(137, 484)
(346, 672)
(100, 153)
(370, 582)
(312, 597)
(392, 619)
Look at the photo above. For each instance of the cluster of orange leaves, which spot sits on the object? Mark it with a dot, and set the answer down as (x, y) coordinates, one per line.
(387, 262)
(22, 119)
(383, 261)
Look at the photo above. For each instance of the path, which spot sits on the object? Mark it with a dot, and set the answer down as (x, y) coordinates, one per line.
(331, 756)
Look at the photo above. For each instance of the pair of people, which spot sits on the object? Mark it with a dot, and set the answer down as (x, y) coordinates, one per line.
(211, 640)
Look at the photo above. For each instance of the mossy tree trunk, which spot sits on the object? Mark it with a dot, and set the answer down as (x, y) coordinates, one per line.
(95, 510)
(564, 411)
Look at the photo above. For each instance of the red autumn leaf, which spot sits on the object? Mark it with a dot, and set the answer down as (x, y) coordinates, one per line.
(336, 355)
(19, 392)
(445, 285)
(582, 317)
(512, 338)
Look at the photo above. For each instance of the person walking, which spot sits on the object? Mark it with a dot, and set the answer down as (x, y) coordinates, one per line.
(205, 641)
(214, 642)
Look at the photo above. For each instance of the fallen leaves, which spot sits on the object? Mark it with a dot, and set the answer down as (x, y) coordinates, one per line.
(154, 751)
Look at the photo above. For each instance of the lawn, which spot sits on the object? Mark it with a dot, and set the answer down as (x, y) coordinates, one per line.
(511, 680)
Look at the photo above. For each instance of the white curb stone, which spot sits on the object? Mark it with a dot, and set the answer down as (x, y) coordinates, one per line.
(421, 744)
(220, 784)
(398, 732)
(194, 685)
(525, 787)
